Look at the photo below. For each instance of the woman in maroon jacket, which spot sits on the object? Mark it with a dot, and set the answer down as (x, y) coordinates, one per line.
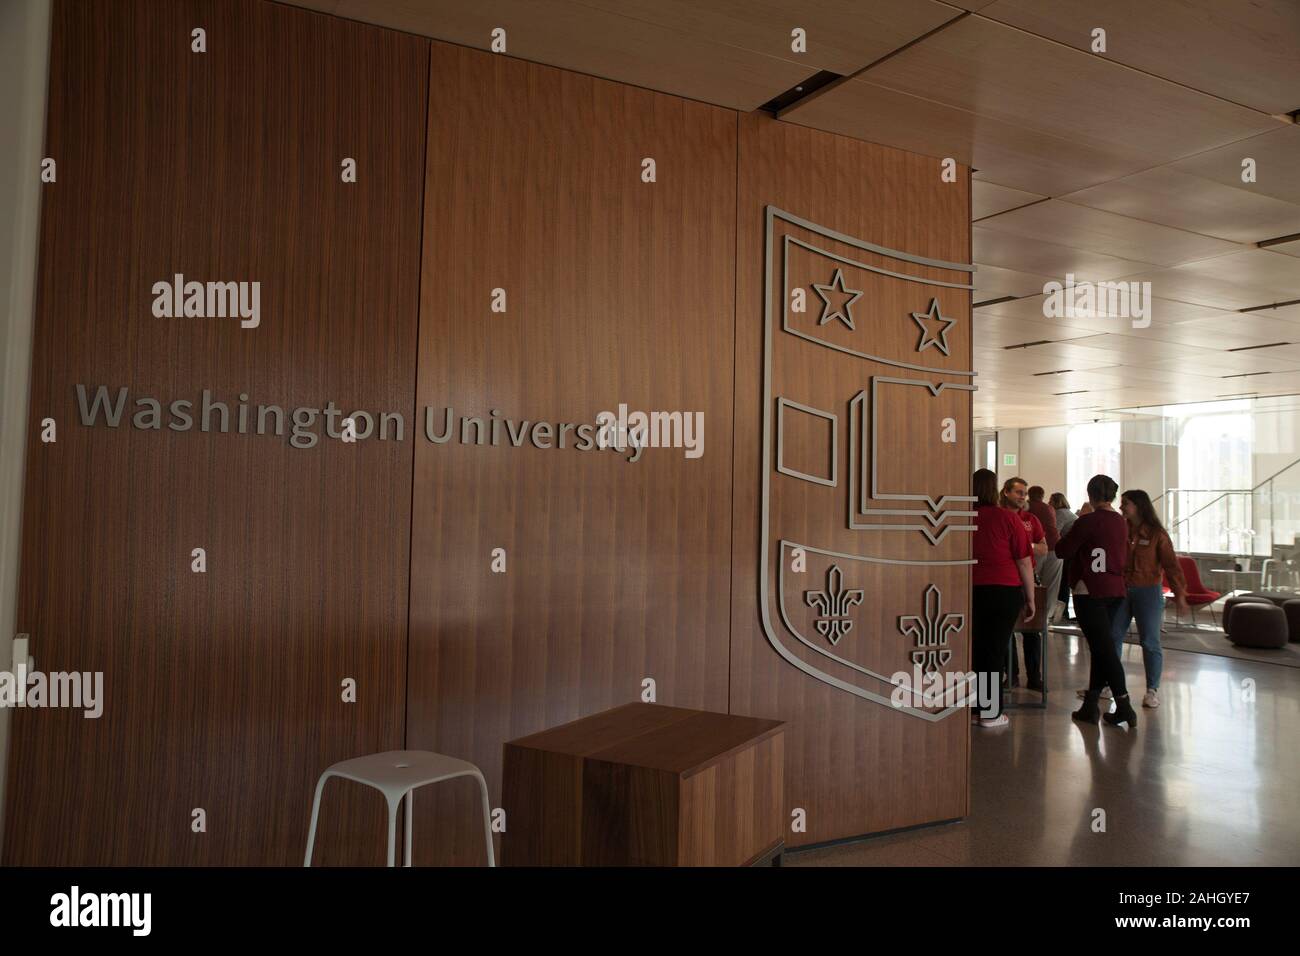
(1096, 548)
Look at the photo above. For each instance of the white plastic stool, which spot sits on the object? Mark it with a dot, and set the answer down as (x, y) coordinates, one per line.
(397, 774)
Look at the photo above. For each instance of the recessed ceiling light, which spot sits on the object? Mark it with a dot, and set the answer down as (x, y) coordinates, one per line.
(807, 88)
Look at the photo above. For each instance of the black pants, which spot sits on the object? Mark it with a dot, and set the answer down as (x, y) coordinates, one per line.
(994, 610)
(1096, 617)
(1033, 642)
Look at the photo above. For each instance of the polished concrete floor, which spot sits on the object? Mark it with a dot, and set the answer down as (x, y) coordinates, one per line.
(1210, 778)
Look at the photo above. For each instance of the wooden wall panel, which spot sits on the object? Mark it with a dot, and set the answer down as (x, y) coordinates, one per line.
(617, 290)
(853, 764)
(223, 689)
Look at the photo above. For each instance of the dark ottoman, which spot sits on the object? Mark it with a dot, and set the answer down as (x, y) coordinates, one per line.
(1277, 597)
(1292, 611)
(1258, 625)
(1237, 601)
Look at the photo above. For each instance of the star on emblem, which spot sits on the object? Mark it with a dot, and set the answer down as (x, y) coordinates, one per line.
(930, 334)
(844, 311)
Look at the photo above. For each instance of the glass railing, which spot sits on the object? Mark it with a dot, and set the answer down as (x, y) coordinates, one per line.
(1260, 522)
(1276, 503)
(1212, 520)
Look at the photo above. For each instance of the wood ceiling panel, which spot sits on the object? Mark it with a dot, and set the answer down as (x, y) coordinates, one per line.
(989, 199)
(1171, 197)
(996, 331)
(1220, 364)
(994, 282)
(1291, 248)
(1081, 227)
(1103, 351)
(1157, 379)
(1059, 355)
(1015, 156)
(1074, 379)
(1286, 313)
(997, 71)
(1276, 274)
(595, 41)
(998, 248)
(842, 35)
(1240, 50)
(1277, 159)
(1147, 377)
(1134, 349)
(1215, 329)
(1187, 284)
(1226, 330)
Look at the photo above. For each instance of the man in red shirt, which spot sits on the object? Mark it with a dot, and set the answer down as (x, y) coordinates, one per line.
(1015, 492)
(1041, 510)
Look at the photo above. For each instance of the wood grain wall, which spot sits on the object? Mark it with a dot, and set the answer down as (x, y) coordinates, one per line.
(617, 291)
(852, 764)
(223, 689)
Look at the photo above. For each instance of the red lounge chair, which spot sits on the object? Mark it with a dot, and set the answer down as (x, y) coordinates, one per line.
(1197, 594)
(1167, 593)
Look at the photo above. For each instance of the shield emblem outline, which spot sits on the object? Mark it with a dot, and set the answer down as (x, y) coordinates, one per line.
(771, 214)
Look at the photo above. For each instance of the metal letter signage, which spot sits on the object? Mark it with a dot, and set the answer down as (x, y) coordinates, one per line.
(853, 468)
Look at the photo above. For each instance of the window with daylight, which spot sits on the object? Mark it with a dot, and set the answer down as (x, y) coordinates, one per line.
(1091, 449)
(1214, 451)
(1215, 471)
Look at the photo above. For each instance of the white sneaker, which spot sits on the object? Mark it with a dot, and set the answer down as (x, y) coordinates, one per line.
(1152, 699)
(1001, 720)
(1105, 693)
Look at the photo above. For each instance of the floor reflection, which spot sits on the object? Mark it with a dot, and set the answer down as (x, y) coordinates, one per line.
(1209, 778)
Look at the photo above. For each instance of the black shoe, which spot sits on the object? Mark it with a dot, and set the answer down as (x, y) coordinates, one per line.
(1090, 711)
(1034, 684)
(1124, 713)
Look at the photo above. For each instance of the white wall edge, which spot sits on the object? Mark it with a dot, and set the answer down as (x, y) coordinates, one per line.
(24, 72)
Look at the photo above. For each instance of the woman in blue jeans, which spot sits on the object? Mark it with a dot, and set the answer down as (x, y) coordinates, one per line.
(1150, 556)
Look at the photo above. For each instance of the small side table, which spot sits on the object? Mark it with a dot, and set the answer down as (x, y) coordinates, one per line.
(1233, 572)
(646, 785)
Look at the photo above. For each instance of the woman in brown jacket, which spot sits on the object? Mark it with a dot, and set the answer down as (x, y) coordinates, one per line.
(1150, 555)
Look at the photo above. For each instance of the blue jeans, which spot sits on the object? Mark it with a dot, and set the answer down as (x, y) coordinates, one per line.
(1147, 605)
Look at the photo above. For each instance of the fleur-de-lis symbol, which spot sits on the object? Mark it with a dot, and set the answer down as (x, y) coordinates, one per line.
(832, 606)
(930, 633)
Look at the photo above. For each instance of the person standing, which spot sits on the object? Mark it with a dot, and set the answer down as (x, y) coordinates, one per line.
(1049, 569)
(1064, 519)
(1097, 549)
(1064, 516)
(1002, 582)
(1014, 498)
(1150, 555)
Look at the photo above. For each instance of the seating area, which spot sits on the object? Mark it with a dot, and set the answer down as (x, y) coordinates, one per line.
(1262, 619)
(1198, 595)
